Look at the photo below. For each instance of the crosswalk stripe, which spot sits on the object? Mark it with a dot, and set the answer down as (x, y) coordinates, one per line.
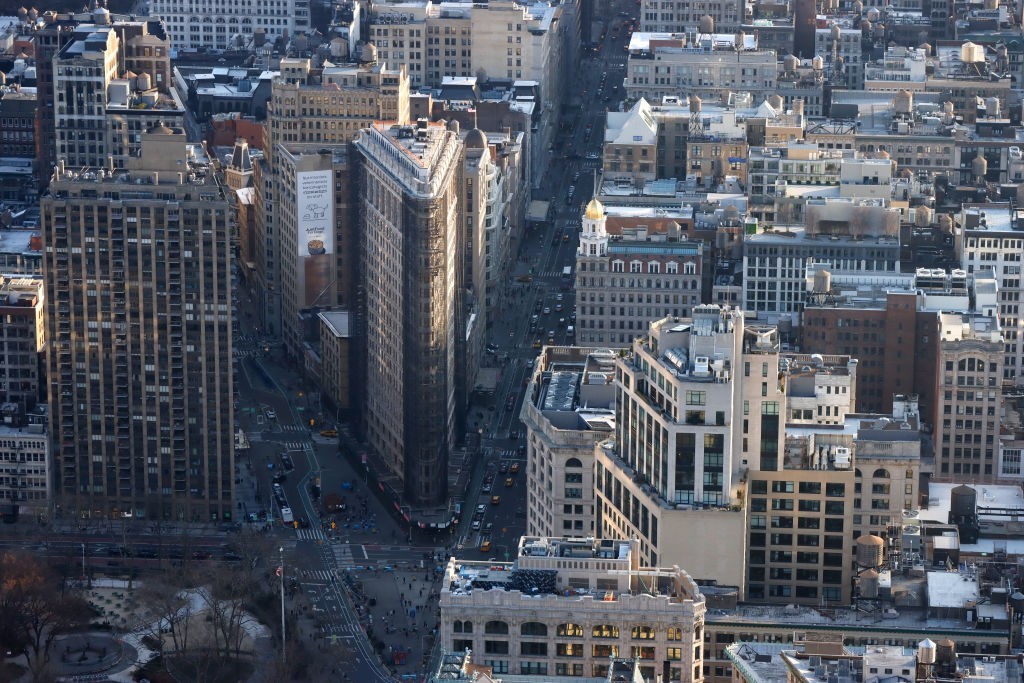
(310, 534)
(318, 574)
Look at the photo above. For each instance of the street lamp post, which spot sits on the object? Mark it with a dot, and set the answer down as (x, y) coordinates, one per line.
(284, 657)
(83, 562)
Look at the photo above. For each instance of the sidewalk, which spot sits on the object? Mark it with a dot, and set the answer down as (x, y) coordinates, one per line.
(399, 609)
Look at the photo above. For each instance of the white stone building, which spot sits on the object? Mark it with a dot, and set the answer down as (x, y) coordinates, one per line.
(226, 24)
(566, 607)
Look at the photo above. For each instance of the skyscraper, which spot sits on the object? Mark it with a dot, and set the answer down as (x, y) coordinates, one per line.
(313, 109)
(139, 327)
(411, 272)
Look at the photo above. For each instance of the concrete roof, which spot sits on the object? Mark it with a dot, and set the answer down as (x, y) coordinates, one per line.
(951, 590)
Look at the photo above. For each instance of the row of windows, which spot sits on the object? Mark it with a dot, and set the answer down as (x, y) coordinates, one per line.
(569, 630)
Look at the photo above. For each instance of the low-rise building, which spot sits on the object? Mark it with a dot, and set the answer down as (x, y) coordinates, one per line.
(22, 342)
(632, 268)
(566, 607)
(233, 24)
(775, 262)
(630, 145)
(665, 65)
(24, 470)
(335, 356)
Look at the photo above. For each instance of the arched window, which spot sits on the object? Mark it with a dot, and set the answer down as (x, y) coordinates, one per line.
(881, 473)
(617, 266)
(856, 473)
(653, 267)
(496, 628)
(605, 631)
(643, 633)
(569, 631)
(635, 267)
(675, 633)
(671, 267)
(463, 626)
(533, 628)
(573, 462)
(689, 268)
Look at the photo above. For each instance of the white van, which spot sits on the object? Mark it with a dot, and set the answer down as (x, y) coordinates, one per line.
(570, 331)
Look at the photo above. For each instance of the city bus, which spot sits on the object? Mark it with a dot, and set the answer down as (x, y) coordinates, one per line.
(567, 277)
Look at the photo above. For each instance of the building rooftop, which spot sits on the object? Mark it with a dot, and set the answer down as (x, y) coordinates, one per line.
(602, 571)
(420, 156)
(843, 620)
(951, 590)
(337, 322)
(33, 430)
(797, 235)
(20, 290)
(989, 496)
(574, 389)
(988, 217)
(21, 241)
(759, 662)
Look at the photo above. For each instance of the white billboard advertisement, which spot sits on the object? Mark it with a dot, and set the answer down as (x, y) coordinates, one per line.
(314, 203)
(315, 210)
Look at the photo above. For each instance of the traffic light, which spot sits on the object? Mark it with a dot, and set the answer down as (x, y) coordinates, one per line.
(312, 422)
(295, 525)
(334, 525)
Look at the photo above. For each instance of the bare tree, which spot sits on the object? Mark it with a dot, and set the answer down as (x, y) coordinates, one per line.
(33, 611)
(171, 613)
(226, 595)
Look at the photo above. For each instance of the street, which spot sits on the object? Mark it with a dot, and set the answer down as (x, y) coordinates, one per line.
(361, 586)
(537, 289)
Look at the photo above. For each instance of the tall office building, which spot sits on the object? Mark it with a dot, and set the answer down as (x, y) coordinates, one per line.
(139, 328)
(313, 109)
(315, 235)
(674, 469)
(411, 272)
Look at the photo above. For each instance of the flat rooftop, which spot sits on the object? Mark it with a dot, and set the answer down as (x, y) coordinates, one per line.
(951, 590)
(845, 620)
(989, 495)
(19, 241)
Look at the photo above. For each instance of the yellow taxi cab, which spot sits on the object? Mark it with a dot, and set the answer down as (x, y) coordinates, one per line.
(329, 432)
(485, 547)
(495, 500)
